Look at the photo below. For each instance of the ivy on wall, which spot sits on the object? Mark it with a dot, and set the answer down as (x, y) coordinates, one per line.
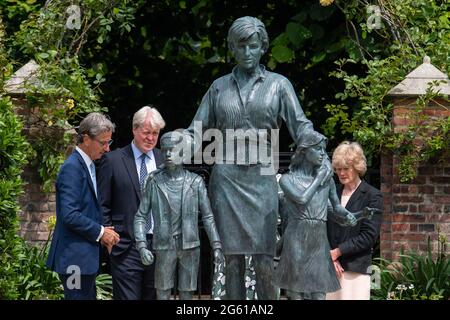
(55, 35)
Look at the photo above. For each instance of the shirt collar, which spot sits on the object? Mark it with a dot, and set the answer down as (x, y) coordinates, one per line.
(137, 153)
(85, 157)
(262, 73)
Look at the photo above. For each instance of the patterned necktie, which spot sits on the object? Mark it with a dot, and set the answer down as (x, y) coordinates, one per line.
(143, 172)
(142, 175)
(93, 177)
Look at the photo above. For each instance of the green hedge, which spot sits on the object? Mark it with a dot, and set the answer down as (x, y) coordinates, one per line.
(13, 155)
(23, 274)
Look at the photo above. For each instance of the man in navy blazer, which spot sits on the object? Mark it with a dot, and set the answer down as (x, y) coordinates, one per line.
(75, 249)
(122, 173)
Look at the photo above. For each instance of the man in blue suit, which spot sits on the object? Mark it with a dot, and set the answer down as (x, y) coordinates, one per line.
(75, 250)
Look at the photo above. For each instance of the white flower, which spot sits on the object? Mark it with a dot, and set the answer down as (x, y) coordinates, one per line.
(400, 287)
(411, 286)
(249, 282)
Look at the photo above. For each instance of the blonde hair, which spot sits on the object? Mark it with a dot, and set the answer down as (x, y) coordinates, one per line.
(349, 154)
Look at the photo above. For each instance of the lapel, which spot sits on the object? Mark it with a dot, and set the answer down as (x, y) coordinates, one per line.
(161, 185)
(355, 199)
(86, 170)
(186, 185)
(130, 166)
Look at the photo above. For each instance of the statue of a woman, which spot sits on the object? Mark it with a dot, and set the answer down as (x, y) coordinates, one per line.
(243, 196)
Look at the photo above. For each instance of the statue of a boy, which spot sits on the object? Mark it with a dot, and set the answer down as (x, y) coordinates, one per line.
(175, 196)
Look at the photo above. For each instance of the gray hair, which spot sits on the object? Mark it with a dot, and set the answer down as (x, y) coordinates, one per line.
(243, 28)
(156, 120)
(94, 124)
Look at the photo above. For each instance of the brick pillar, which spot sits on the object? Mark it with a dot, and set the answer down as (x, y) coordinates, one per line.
(420, 209)
(36, 205)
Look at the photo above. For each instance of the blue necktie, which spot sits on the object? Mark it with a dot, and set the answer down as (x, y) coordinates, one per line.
(93, 177)
(142, 175)
(143, 172)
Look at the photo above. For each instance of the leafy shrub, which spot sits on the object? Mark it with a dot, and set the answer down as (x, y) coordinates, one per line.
(23, 274)
(416, 276)
(34, 279)
(104, 286)
(13, 156)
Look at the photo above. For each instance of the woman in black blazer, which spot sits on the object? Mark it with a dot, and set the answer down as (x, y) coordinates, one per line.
(351, 247)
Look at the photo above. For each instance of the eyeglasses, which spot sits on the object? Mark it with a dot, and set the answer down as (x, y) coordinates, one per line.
(103, 143)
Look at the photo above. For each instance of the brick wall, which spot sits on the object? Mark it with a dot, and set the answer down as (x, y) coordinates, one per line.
(37, 206)
(418, 210)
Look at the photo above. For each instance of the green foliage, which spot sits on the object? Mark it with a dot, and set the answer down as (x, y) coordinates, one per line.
(5, 66)
(33, 280)
(62, 93)
(338, 115)
(416, 276)
(13, 156)
(52, 31)
(23, 274)
(64, 90)
(182, 47)
(51, 158)
(104, 286)
(303, 28)
(411, 30)
(15, 11)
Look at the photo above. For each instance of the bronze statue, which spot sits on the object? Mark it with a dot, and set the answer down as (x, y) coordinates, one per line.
(243, 198)
(175, 197)
(306, 269)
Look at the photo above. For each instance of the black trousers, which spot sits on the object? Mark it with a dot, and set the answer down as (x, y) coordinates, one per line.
(131, 279)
